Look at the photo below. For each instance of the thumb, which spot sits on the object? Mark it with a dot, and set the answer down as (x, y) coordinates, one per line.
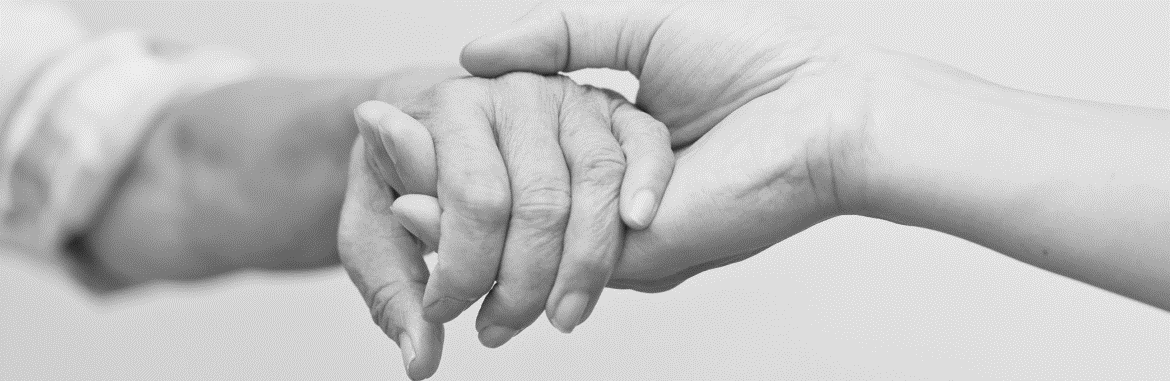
(569, 36)
(419, 214)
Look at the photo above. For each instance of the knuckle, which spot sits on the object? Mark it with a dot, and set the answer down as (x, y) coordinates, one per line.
(382, 301)
(539, 275)
(507, 89)
(545, 203)
(484, 201)
(525, 295)
(464, 285)
(539, 269)
(604, 167)
(651, 130)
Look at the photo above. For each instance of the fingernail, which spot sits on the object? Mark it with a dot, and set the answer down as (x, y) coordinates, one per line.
(375, 144)
(395, 124)
(370, 115)
(569, 311)
(495, 336)
(445, 309)
(407, 348)
(643, 209)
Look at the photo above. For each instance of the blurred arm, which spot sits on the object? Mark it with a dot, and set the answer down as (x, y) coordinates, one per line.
(246, 176)
(73, 112)
(127, 160)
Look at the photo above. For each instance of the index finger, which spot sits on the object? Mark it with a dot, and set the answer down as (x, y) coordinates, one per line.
(650, 162)
(475, 198)
(405, 142)
(385, 263)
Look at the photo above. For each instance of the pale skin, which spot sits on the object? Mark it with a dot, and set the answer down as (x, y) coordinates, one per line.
(520, 240)
(153, 232)
(814, 127)
(253, 175)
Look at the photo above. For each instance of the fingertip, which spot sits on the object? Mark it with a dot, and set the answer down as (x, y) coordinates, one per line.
(420, 215)
(646, 144)
(641, 210)
(422, 350)
(571, 311)
(496, 336)
(414, 149)
(369, 115)
(369, 112)
(535, 44)
(407, 348)
(476, 57)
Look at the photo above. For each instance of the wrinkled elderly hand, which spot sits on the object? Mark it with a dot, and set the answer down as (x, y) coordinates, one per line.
(536, 176)
(768, 115)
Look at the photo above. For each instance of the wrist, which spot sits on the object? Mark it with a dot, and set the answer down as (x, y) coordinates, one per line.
(956, 154)
(944, 148)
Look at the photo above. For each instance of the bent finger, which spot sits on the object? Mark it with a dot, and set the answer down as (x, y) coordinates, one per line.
(419, 214)
(593, 238)
(474, 195)
(381, 160)
(408, 144)
(649, 163)
(385, 263)
(528, 139)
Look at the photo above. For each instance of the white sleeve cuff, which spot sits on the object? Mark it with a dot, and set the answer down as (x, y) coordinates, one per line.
(78, 125)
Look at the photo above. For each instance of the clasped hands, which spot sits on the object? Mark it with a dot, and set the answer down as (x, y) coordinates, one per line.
(545, 192)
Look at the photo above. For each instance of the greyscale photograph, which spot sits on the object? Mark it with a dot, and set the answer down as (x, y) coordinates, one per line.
(636, 190)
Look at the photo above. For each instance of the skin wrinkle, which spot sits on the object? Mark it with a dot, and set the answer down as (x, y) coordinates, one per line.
(379, 305)
(378, 202)
(393, 173)
(637, 69)
(812, 183)
(543, 200)
(599, 171)
(622, 38)
(856, 147)
(599, 168)
(836, 201)
(609, 162)
(552, 201)
(568, 53)
(539, 197)
(479, 201)
(390, 179)
(829, 154)
(369, 233)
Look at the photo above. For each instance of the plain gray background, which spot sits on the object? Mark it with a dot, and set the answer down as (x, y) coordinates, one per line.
(851, 298)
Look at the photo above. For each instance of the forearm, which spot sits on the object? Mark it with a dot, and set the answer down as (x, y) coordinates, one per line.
(1078, 188)
(247, 175)
(250, 175)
